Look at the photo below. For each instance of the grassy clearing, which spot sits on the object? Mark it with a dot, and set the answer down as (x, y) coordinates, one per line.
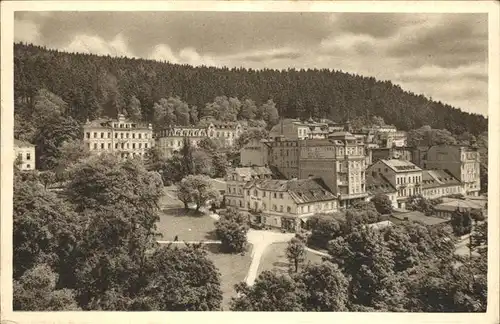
(233, 269)
(274, 258)
(187, 225)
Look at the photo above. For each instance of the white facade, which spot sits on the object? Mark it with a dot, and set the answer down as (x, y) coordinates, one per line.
(25, 152)
(122, 137)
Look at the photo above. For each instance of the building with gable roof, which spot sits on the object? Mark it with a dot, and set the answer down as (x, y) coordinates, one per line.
(439, 183)
(377, 183)
(287, 204)
(405, 176)
(123, 137)
(236, 178)
(25, 153)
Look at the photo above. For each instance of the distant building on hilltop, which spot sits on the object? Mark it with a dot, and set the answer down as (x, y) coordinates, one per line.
(25, 153)
(294, 129)
(121, 136)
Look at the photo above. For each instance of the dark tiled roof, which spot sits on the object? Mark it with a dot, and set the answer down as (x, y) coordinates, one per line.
(438, 178)
(248, 172)
(301, 191)
(378, 184)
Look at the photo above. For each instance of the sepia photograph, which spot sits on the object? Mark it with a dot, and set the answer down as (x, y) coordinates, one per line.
(249, 160)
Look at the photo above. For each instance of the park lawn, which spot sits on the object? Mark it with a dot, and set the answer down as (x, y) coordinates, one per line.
(274, 258)
(233, 269)
(187, 225)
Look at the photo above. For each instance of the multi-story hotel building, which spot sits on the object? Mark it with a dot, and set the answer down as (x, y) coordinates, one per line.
(118, 136)
(236, 178)
(25, 152)
(405, 176)
(171, 139)
(461, 161)
(255, 153)
(287, 204)
(283, 154)
(340, 161)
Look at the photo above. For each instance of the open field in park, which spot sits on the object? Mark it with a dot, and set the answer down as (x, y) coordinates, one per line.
(274, 258)
(233, 269)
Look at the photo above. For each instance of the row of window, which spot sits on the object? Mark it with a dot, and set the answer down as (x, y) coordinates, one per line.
(410, 192)
(117, 135)
(300, 209)
(117, 145)
(409, 179)
(438, 191)
(274, 194)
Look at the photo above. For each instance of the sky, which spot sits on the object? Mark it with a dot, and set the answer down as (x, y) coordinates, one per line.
(442, 56)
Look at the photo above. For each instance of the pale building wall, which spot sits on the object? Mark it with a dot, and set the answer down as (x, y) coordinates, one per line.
(121, 137)
(254, 153)
(27, 157)
(437, 192)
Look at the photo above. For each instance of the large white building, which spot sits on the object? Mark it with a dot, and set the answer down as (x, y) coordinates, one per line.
(25, 152)
(171, 139)
(122, 137)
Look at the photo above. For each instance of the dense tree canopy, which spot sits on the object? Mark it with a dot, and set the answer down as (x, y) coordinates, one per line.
(94, 85)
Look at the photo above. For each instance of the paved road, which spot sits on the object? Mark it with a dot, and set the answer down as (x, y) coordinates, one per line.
(261, 241)
(189, 242)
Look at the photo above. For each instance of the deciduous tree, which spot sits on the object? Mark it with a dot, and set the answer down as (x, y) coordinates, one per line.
(270, 292)
(36, 291)
(382, 203)
(325, 288)
(296, 253)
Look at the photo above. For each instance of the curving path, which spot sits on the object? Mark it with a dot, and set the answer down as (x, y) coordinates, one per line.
(261, 241)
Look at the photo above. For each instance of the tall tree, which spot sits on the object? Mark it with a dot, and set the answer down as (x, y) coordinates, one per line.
(325, 288)
(231, 229)
(270, 292)
(364, 255)
(382, 203)
(248, 110)
(200, 189)
(134, 109)
(296, 253)
(36, 291)
(45, 229)
(180, 279)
